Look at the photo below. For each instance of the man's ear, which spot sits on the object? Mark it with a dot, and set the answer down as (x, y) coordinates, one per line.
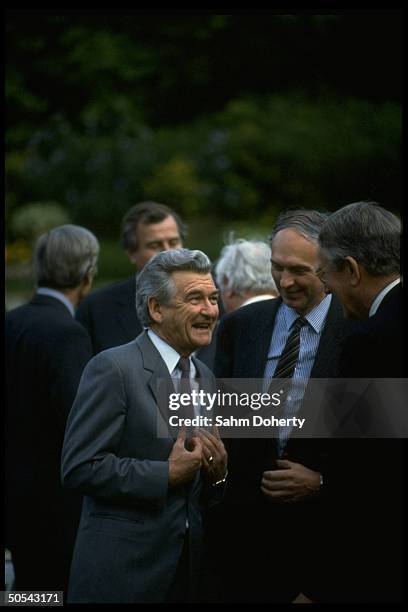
(353, 271)
(132, 256)
(85, 285)
(155, 310)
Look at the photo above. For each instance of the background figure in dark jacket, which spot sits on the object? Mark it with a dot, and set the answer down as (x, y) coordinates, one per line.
(46, 351)
(359, 261)
(109, 314)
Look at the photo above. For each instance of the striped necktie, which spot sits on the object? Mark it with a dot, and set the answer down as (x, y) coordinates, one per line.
(290, 354)
(282, 379)
(286, 365)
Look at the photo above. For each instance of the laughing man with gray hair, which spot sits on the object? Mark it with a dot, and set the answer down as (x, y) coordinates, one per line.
(140, 536)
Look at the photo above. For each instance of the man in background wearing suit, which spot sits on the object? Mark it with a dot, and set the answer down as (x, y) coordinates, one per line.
(276, 486)
(46, 351)
(140, 536)
(359, 261)
(109, 313)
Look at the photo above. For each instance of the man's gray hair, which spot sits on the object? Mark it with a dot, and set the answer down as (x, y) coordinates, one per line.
(367, 232)
(245, 266)
(154, 280)
(64, 256)
(307, 222)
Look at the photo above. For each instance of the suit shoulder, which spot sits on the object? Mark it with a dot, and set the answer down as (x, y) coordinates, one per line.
(47, 329)
(16, 313)
(252, 313)
(110, 293)
(122, 355)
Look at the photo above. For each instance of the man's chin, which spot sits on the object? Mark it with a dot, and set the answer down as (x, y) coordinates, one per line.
(293, 301)
(202, 339)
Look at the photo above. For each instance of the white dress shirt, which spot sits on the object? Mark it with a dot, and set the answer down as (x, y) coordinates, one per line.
(171, 358)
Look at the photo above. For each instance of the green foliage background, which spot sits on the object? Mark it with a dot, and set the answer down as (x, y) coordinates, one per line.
(228, 118)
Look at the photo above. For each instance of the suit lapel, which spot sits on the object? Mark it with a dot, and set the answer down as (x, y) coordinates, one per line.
(160, 382)
(206, 381)
(329, 341)
(327, 353)
(255, 353)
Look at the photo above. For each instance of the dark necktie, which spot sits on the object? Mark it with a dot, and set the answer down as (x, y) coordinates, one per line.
(185, 386)
(287, 361)
(286, 365)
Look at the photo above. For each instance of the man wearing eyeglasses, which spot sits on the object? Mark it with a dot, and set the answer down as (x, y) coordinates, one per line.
(359, 261)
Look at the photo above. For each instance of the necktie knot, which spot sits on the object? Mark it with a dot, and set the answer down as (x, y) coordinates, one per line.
(299, 323)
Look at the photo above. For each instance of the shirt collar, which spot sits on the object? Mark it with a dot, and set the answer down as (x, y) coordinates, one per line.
(169, 355)
(58, 296)
(316, 317)
(375, 305)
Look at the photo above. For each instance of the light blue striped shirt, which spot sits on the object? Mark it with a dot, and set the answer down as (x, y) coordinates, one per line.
(309, 341)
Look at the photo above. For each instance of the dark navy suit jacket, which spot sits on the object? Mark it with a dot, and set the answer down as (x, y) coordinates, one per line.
(109, 315)
(46, 351)
(362, 554)
(274, 538)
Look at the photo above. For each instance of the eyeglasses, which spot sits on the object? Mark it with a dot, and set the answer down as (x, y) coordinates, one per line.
(320, 272)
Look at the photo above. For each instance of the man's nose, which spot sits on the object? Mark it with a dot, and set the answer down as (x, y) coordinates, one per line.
(209, 309)
(286, 279)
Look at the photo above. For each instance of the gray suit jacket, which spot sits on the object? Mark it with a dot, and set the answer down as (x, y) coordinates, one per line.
(132, 525)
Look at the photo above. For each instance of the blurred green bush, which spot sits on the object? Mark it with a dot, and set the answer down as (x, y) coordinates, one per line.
(33, 219)
(256, 157)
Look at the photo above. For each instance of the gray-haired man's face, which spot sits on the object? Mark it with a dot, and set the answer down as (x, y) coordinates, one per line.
(340, 283)
(187, 323)
(153, 238)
